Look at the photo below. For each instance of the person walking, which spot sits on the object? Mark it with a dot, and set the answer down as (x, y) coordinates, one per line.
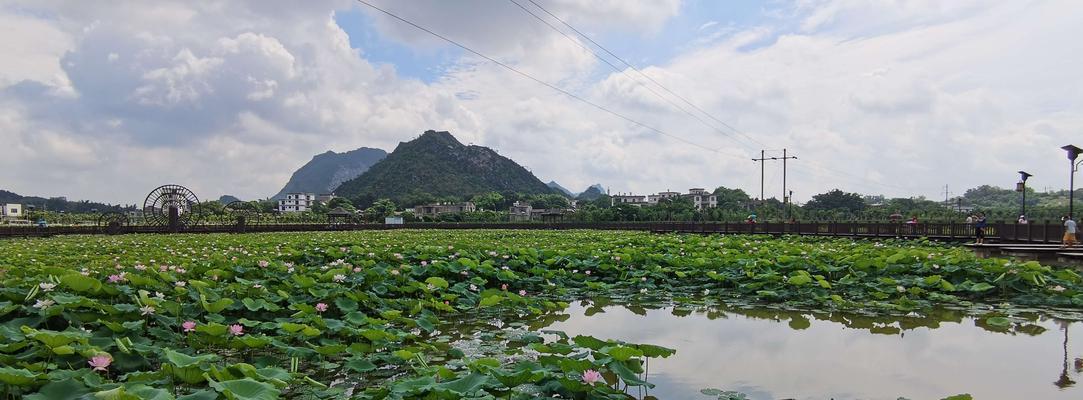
(979, 229)
(1069, 233)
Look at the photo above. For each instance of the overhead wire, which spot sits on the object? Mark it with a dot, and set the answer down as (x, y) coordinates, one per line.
(629, 65)
(632, 78)
(603, 108)
(686, 101)
(541, 82)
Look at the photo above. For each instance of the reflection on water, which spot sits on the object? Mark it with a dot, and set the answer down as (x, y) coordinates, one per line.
(772, 354)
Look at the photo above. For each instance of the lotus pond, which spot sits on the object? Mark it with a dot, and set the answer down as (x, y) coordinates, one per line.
(527, 314)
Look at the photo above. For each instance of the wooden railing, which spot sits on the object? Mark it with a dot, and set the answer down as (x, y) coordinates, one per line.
(998, 231)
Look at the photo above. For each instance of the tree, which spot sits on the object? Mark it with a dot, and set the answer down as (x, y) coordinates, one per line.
(732, 199)
(488, 201)
(380, 209)
(836, 200)
(547, 201)
(341, 202)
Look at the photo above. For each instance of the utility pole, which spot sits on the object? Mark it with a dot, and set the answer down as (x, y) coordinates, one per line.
(762, 160)
(785, 199)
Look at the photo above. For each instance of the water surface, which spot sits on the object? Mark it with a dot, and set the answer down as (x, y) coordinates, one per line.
(770, 354)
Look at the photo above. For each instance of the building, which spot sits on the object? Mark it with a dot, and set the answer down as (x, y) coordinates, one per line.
(325, 198)
(432, 210)
(520, 211)
(297, 202)
(393, 220)
(654, 198)
(12, 211)
(627, 198)
(701, 198)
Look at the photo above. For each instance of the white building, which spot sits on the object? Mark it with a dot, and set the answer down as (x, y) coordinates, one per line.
(654, 198)
(297, 202)
(702, 199)
(627, 198)
(12, 211)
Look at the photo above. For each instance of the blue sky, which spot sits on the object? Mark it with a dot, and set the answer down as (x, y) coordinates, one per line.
(697, 21)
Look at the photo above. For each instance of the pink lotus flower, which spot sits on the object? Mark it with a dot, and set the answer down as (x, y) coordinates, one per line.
(321, 307)
(115, 278)
(522, 292)
(263, 263)
(236, 330)
(504, 287)
(100, 362)
(189, 326)
(590, 376)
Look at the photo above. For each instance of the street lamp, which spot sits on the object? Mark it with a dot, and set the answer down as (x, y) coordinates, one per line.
(1022, 187)
(1073, 153)
(789, 202)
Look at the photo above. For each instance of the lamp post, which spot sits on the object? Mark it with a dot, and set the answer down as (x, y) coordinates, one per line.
(789, 208)
(1022, 187)
(1073, 153)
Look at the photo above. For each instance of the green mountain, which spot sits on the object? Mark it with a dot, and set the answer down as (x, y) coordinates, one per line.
(437, 164)
(556, 186)
(325, 172)
(592, 192)
(59, 203)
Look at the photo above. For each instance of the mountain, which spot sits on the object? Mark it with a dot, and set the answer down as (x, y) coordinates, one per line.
(226, 199)
(593, 192)
(57, 203)
(325, 172)
(437, 164)
(556, 186)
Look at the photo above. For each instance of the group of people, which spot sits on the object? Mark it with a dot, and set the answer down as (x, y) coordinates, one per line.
(1070, 228)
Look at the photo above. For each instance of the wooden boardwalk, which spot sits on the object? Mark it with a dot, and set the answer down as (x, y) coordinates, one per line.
(998, 232)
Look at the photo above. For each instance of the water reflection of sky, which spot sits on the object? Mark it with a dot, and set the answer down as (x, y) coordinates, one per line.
(767, 359)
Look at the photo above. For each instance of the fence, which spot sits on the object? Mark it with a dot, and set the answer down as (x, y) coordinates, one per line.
(998, 231)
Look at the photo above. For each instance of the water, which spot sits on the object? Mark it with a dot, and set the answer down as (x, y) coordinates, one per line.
(770, 354)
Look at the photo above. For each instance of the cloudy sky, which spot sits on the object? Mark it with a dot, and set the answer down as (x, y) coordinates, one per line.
(106, 100)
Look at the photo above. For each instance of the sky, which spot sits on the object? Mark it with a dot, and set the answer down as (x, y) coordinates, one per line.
(108, 100)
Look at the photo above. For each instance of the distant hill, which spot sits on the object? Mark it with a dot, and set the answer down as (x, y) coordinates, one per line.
(439, 165)
(593, 192)
(226, 199)
(325, 172)
(556, 186)
(57, 203)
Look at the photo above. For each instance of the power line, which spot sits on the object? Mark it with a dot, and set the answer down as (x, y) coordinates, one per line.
(625, 73)
(539, 81)
(686, 101)
(645, 75)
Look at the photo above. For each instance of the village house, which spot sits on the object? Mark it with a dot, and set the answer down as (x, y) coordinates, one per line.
(432, 210)
(627, 198)
(519, 211)
(297, 202)
(12, 211)
(654, 198)
(701, 198)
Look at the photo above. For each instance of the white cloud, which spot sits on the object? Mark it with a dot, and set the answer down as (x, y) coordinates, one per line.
(231, 97)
